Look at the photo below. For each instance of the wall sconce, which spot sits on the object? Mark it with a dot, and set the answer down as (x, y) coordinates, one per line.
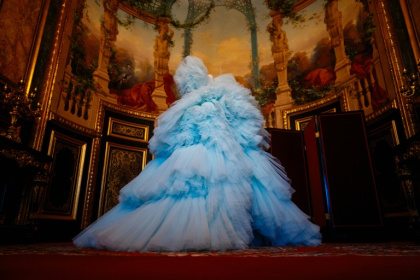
(19, 105)
(412, 80)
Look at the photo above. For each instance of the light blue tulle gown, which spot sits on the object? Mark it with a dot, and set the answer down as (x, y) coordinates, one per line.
(211, 186)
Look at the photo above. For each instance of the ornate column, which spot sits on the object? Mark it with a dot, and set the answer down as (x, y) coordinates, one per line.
(335, 29)
(280, 49)
(109, 32)
(162, 55)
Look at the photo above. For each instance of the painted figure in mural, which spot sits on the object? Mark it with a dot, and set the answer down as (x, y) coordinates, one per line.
(109, 28)
(211, 186)
(168, 82)
(161, 52)
(139, 96)
(333, 21)
(280, 47)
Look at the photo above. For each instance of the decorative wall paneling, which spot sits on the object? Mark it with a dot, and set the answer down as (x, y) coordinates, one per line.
(62, 204)
(123, 155)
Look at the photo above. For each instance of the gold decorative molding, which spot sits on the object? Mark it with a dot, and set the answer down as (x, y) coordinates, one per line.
(394, 59)
(36, 45)
(341, 96)
(301, 124)
(68, 209)
(91, 182)
(72, 125)
(23, 158)
(127, 111)
(96, 150)
(409, 16)
(128, 130)
(50, 75)
(382, 111)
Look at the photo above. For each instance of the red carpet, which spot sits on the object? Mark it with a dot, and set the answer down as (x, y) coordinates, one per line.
(328, 261)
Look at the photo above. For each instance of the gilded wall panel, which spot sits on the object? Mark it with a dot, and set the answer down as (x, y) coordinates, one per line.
(127, 130)
(122, 164)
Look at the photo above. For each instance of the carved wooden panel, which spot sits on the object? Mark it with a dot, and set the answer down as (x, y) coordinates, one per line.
(61, 197)
(128, 130)
(122, 164)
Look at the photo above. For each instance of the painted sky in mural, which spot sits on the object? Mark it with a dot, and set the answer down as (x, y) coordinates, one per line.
(223, 42)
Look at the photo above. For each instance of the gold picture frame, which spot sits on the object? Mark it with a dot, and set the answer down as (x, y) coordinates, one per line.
(65, 184)
(128, 130)
(300, 124)
(319, 106)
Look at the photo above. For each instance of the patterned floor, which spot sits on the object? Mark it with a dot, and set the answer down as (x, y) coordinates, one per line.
(326, 249)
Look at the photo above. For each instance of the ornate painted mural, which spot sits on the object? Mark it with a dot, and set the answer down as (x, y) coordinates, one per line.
(291, 54)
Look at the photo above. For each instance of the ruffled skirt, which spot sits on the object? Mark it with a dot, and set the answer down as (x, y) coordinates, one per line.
(201, 198)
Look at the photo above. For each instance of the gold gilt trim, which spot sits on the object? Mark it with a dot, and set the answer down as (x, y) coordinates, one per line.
(394, 133)
(394, 62)
(79, 160)
(36, 45)
(128, 130)
(47, 87)
(91, 183)
(409, 16)
(96, 150)
(300, 122)
(383, 110)
(24, 158)
(72, 125)
(104, 105)
(341, 96)
(105, 168)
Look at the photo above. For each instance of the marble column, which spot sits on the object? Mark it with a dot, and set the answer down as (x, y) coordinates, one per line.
(335, 28)
(280, 50)
(109, 32)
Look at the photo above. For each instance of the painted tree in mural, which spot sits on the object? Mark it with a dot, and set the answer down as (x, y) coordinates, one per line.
(78, 87)
(195, 9)
(310, 76)
(133, 83)
(199, 11)
(247, 9)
